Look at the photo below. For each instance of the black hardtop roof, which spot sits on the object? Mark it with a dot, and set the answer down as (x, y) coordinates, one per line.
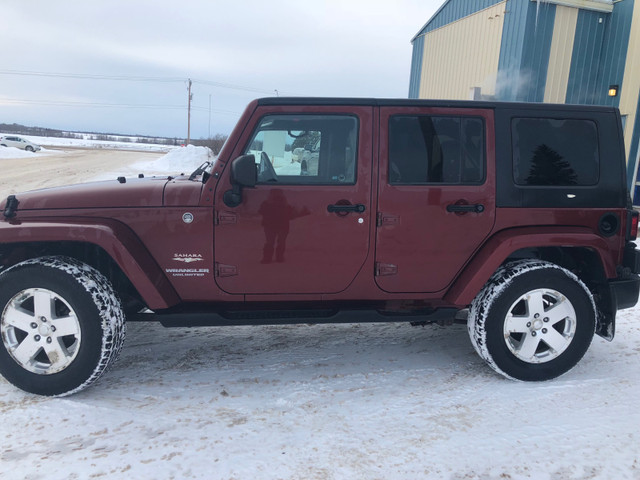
(404, 102)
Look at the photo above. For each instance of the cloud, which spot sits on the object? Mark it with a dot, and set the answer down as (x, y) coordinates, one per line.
(324, 48)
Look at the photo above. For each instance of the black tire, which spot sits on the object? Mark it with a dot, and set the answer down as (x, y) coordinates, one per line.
(29, 148)
(533, 320)
(38, 357)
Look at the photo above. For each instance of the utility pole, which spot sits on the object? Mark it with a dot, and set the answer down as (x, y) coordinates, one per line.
(209, 115)
(189, 115)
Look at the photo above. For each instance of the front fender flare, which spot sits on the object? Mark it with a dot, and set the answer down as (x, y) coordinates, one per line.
(114, 237)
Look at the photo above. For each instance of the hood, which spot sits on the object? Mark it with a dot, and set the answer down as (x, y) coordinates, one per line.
(133, 192)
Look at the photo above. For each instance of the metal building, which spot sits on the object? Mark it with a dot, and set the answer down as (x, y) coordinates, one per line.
(559, 51)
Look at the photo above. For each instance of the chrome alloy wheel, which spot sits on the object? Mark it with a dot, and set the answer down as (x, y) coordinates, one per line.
(40, 331)
(540, 325)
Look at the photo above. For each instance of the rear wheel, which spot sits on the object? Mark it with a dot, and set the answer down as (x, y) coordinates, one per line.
(29, 148)
(533, 320)
(61, 324)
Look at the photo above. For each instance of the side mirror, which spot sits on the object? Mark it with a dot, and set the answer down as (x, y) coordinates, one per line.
(244, 173)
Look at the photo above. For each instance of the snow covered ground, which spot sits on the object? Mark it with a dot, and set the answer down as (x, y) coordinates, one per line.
(13, 152)
(87, 142)
(368, 401)
(179, 160)
(354, 401)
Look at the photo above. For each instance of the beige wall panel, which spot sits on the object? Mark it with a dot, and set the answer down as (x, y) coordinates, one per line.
(474, 43)
(564, 32)
(631, 84)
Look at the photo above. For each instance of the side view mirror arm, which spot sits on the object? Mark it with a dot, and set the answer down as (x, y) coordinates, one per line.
(232, 198)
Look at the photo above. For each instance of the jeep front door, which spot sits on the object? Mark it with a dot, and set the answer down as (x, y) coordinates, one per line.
(304, 228)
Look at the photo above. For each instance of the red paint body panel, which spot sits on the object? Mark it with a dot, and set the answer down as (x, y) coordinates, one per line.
(284, 240)
(180, 192)
(433, 257)
(501, 245)
(116, 239)
(611, 247)
(146, 192)
(427, 244)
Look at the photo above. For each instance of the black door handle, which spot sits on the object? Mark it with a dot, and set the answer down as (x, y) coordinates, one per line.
(358, 208)
(477, 208)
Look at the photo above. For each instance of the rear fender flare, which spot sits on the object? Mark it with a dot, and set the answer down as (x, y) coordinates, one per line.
(501, 245)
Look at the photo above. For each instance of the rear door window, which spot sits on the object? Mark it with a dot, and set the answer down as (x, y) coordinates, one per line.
(426, 149)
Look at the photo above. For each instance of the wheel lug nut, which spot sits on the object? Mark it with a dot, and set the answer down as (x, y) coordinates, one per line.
(533, 334)
(544, 330)
(53, 328)
(528, 324)
(43, 319)
(49, 340)
(537, 315)
(546, 319)
(37, 338)
(34, 325)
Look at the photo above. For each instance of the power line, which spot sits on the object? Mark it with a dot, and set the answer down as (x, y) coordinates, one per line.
(66, 103)
(59, 103)
(88, 76)
(134, 78)
(231, 86)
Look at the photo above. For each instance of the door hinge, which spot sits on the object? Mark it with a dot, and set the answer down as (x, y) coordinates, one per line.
(226, 218)
(225, 270)
(386, 220)
(383, 269)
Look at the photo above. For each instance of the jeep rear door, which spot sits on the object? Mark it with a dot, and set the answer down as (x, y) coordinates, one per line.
(304, 228)
(436, 200)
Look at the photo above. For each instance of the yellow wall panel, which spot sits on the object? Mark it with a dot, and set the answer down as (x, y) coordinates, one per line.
(463, 55)
(631, 84)
(564, 32)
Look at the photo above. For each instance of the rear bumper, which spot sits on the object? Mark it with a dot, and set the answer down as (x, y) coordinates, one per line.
(631, 259)
(625, 288)
(624, 293)
(618, 293)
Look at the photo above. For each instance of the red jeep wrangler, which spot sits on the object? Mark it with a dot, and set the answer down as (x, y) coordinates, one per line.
(514, 216)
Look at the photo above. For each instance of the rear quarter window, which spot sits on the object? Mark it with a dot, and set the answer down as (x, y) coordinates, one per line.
(555, 152)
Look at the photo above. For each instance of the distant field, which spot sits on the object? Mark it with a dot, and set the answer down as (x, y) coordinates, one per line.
(56, 167)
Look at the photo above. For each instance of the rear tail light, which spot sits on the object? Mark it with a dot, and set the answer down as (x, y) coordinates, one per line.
(632, 225)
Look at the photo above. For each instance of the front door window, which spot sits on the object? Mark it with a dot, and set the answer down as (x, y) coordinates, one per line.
(305, 149)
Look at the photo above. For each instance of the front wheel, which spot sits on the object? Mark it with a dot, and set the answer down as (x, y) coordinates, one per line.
(29, 148)
(61, 323)
(532, 321)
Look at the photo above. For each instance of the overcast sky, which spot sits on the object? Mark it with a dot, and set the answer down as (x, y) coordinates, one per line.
(234, 51)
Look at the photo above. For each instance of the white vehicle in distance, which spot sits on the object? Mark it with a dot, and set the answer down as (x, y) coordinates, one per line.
(18, 142)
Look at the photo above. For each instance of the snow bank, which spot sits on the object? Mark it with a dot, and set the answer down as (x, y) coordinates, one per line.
(179, 160)
(13, 152)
